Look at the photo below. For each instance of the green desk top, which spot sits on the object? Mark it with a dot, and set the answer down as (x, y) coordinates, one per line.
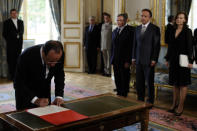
(99, 105)
(30, 120)
(88, 107)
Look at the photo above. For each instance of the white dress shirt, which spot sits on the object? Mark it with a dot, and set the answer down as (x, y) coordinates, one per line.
(15, 23)
(121, 28)
(146, 25)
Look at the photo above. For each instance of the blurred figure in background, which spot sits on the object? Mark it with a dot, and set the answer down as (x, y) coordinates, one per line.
(13, 30)
(106, 37)
(169, 28)
(91, 44)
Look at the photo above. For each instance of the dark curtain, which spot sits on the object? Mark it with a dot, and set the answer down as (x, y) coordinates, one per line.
(55, 6)
(5, 7)
(184, 5)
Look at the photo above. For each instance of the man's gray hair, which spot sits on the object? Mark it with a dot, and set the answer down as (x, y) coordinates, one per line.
(92, 18)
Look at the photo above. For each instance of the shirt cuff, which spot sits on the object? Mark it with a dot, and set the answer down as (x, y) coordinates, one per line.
(59, 97)
(34, 99)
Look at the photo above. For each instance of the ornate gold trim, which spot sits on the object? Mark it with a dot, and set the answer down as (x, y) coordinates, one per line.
(98, 18)
(157, 15)
(64, 14)
(79, 51)
(163, 23)
(123, 6)
(155, 6)
(113, 9)
(74, 37)
(154, 11)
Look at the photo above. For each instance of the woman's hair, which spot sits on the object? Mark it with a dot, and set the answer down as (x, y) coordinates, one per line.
(185, 16)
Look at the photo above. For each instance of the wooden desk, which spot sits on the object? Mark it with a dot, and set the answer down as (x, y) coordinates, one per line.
(106, 112)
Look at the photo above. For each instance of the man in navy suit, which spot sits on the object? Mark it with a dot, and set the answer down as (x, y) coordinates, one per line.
(91, 44)
(122, 43)
(145, 55)
(13, 30)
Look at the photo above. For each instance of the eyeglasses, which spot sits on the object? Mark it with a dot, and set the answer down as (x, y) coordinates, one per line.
(51, 62)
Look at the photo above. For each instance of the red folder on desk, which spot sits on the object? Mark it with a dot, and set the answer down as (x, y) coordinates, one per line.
(56, 115)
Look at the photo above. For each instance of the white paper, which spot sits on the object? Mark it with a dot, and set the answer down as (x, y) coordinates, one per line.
(40, 111)
(183, 61)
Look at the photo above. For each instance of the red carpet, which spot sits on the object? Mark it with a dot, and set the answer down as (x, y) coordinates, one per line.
(182, 123)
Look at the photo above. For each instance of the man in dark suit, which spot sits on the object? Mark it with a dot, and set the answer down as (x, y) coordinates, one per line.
(195, 45)
(35, 69)
(169, 28)
(91, 44)
(102, 61)
(145, 55)
(13, 30)
(195, 36)
(122, 42)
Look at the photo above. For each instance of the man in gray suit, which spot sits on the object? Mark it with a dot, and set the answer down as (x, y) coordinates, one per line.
(106, 37)
(145, 55)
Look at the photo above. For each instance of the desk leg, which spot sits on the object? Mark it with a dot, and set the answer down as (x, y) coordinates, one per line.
(145, 120)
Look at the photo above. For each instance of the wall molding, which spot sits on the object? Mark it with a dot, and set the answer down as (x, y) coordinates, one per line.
(66, 65)
(77, 36)
(66, 21)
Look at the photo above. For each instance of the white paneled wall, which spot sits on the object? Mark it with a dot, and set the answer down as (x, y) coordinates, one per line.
(72, 38)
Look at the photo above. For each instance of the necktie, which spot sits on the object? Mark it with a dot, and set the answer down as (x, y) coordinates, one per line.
(143, 29)
(90, 29)
(118, 31)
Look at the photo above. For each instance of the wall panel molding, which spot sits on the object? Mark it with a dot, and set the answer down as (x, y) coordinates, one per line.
(71, 11)
(72, 54)
(72, 33)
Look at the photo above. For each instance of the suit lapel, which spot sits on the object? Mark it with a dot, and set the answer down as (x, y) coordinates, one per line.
(18, 24)
(139, 32)
(147, 29)
(41, 66)
(122, 32)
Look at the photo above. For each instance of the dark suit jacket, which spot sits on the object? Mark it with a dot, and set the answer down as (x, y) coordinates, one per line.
(195, 44)
(92, 39)
(30, 81)
(146, 46)
(169, 28)
(195, 36)
(195, 32)
(121, 51)
(10, 34)
(183, 44)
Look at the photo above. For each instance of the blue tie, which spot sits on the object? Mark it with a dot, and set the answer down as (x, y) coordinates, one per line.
(90, 29)
(118, 30)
